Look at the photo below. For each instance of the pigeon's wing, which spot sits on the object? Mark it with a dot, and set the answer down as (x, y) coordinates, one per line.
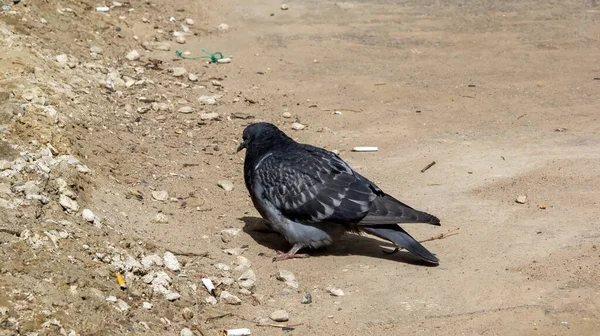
(385, 209)
(312, 185)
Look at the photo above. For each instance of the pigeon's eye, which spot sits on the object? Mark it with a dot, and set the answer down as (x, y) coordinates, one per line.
(245, 136)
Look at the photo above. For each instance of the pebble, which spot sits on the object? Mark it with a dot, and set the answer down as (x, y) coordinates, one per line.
(180, 39)
(192, 77)
(521, 199)
(222, 267)
(234, 251)
(226, 185)
(285, 7)
(229, 298)
(111, 298)
(209, 116)
(133, 55)
(150, 260)
(147, 305)
(187, 313)
(247, 279)
(211, 300)
(179, 71)
(62, 59)
(189, 22)
(306, 298)
(160, 195)
(186, 332)
(288, 277)
(43, 21)
(286, 115)
(224, 60)
(335, 291)
(243, 263)
(223, 27)
(186, 109)
(68, 204)
(298, 126)
(171, 262)
(231, 231)
(88, 215)
(123, 306)
(172, 296)
(209, 100)
(96, 50)
(280, 316)
(161, 218)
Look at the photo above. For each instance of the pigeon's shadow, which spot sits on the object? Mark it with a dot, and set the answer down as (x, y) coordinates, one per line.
(350, 244)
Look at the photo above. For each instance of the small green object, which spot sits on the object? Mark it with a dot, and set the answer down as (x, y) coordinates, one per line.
(214, 57)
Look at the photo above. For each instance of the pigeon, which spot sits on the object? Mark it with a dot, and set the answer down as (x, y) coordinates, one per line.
(312, 197)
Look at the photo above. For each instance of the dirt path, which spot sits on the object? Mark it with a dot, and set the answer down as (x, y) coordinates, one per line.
(502, 95)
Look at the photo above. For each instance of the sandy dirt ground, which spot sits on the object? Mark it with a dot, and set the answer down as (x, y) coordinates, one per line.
(503, 95)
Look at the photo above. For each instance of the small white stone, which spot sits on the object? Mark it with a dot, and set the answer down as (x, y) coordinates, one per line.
(180, 39)
(285, 7)
(226, 185)
(151, 260)
(160, 195)
(133, 55)
(147, 305)
(286, 115)
(111, 298)
(223, 27)
(279, 316)
(521, 199)
(161, 218)
(229, 298)
(96, 49)
(243, 263)
(211, 300)
(297, 126)
(247, 280)
(335, 291)
(88, 215)
(186, 332)
(209, 116)
(209, 100)
(123, 306)
(231, 231)
(222, 267)
(186, 109)
(288, 277)
(68, 204)
(179, 71)
(192, 77)
(62, 59)
(171, 262)
(172, 296)
(189, 22)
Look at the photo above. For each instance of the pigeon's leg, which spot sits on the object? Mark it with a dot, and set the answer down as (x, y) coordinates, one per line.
(292, 253)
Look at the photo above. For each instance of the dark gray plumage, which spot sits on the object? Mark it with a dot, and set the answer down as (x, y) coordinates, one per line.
(311, 196)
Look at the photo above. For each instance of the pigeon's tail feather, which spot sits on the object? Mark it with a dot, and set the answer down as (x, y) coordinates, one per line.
(398, 236)
(388, 210)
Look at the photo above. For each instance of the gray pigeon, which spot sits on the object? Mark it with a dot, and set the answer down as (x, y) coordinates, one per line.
(312, 197)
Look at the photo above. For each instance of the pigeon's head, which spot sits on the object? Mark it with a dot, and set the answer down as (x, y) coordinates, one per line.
(261, 136)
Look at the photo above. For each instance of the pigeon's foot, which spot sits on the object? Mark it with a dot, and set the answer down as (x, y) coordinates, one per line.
(293, 253)
(284, 256)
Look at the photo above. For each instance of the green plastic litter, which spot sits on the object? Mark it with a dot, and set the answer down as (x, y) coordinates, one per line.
(214, 57)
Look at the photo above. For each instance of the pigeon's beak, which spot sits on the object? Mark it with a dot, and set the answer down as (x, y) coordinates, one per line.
(241, 146)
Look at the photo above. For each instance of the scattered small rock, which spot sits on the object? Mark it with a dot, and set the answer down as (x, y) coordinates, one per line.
(189, 22)
(88, 215)
(161, 218)
(286, 115)
(180, 39)
(150, 260)
(211, 300)
(123, 306)
(209, 100)
(133, 55)
(229, 298)
(280, 316)
(288, 277)
(68, 204)
(247, 279)
(285, 7)
(96, 50)
(306, 298)
(521, 199)
(172, 296)
(186, 109)
(209, 116)
(335, 291)
(147, 305)
(62, 59)
(298, 126)
(160, 195)
(226, 185)
(187, 313)
(186, 332)
(223, 27)
(179, 71)
(171, 262)
(192, 77)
